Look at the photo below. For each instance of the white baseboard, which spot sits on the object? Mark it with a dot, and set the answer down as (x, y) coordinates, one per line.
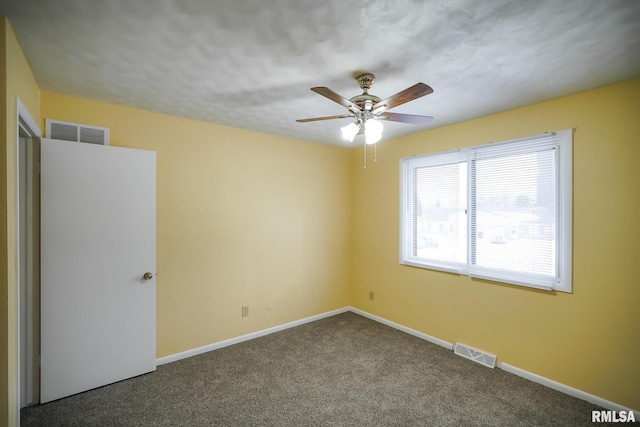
(194, 352)
(504, 366)
(566, 389)
(403, 328)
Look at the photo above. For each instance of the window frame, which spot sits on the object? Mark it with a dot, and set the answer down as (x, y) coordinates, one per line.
(562, 141)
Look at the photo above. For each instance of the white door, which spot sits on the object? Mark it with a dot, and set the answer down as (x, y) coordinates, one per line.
(98, 224)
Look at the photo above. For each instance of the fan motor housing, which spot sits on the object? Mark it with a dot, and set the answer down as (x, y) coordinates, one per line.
(365, 81)
(360, 100)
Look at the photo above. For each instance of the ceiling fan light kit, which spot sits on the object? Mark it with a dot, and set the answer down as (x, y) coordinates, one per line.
(368, 110)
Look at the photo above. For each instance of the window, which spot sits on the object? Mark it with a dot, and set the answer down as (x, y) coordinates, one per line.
(500, 211)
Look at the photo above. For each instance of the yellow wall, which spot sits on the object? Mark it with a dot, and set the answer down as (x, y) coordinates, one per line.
(17, 81)
(243, 218)
(588, 339)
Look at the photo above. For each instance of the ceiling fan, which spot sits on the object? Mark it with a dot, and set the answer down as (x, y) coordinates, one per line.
(368, 110)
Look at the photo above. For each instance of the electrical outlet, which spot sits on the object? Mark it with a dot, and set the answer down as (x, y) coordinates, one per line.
(245, 310)
(371, 295)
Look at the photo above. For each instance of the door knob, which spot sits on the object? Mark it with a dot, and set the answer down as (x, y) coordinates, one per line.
(148, 276)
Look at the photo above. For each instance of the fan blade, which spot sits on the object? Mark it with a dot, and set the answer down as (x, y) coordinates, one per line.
(409, 94)
(316, 119)
(406, 118)
(328, 93)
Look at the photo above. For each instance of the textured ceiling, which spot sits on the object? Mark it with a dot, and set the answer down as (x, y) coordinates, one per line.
(250, 63)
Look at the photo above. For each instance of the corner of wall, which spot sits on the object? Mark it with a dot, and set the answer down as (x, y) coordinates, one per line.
(4, 335)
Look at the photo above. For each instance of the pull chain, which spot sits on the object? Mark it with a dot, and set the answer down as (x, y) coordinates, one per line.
(365, 157)
(375, 155)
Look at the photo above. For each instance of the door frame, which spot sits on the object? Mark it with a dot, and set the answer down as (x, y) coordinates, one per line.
(28, 126)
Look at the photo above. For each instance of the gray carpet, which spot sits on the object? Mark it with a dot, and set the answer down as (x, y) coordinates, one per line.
(344, 370)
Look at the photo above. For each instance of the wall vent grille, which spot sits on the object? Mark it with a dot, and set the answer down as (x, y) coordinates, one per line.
(77, 132)
(481, 357)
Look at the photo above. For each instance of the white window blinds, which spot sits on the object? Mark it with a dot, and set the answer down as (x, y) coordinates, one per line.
(513, 211)
(438, 190)
(499, 211)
